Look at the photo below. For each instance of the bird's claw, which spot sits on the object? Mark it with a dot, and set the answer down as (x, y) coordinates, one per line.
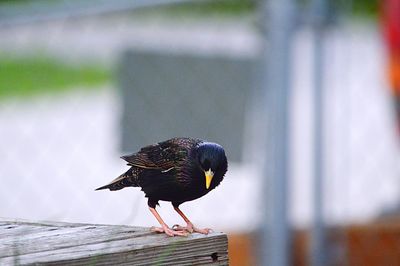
(204, 231)
(190, 228)
(178, 227)
(168, 231)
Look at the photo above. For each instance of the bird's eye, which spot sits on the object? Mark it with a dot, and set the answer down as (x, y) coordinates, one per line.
(206, 164)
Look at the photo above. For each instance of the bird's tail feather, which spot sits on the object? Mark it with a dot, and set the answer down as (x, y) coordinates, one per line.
(127, 179)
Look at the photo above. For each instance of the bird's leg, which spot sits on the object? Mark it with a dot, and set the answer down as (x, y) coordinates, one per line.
(189, 226)
(164, 227)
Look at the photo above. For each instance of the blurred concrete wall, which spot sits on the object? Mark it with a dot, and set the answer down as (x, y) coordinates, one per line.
(166, 95)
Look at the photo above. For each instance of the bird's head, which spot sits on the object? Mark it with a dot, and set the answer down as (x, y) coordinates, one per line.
(212, 160)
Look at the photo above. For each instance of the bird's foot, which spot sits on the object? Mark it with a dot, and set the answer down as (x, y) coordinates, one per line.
(168, 231)
(191, 228)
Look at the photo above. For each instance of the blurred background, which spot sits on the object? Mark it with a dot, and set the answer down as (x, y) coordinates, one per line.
(303, 95)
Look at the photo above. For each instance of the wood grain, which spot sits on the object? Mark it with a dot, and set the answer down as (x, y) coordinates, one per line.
(56, 243)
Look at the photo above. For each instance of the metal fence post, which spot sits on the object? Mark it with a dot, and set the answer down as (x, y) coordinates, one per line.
(318, 251)
(278, 22)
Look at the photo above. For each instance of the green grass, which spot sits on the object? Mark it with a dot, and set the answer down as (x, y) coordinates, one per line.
(365, 9)
(233, 7)
(201, 9)
(33, 75)
(359, 8)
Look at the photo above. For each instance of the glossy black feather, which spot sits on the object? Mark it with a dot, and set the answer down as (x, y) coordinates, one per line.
(173, 170)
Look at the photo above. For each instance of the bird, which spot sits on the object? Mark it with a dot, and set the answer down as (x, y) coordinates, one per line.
(176, 170)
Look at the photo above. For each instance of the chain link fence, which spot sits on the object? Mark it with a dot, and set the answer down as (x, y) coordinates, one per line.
(178, 74)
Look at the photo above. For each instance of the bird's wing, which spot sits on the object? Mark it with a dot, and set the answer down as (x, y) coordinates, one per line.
(164, 155)
(141, 160)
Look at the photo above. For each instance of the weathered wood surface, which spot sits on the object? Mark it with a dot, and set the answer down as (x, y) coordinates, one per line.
(55, 243)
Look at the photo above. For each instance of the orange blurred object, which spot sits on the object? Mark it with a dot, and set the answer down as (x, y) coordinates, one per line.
(394, 73)
(241, 248)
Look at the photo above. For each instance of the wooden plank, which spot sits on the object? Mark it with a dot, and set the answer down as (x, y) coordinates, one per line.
(15, 230)
(65, 237)
(48, 243)
(173, 252)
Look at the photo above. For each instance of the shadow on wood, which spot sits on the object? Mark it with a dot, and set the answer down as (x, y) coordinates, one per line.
(53, 243)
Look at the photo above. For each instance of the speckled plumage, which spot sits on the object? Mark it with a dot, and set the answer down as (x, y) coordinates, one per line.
(173, 170)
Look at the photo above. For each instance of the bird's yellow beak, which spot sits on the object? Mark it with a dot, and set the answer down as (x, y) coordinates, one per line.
(209, 175)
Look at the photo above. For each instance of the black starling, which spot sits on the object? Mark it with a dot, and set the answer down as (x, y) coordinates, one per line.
(176, 170)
